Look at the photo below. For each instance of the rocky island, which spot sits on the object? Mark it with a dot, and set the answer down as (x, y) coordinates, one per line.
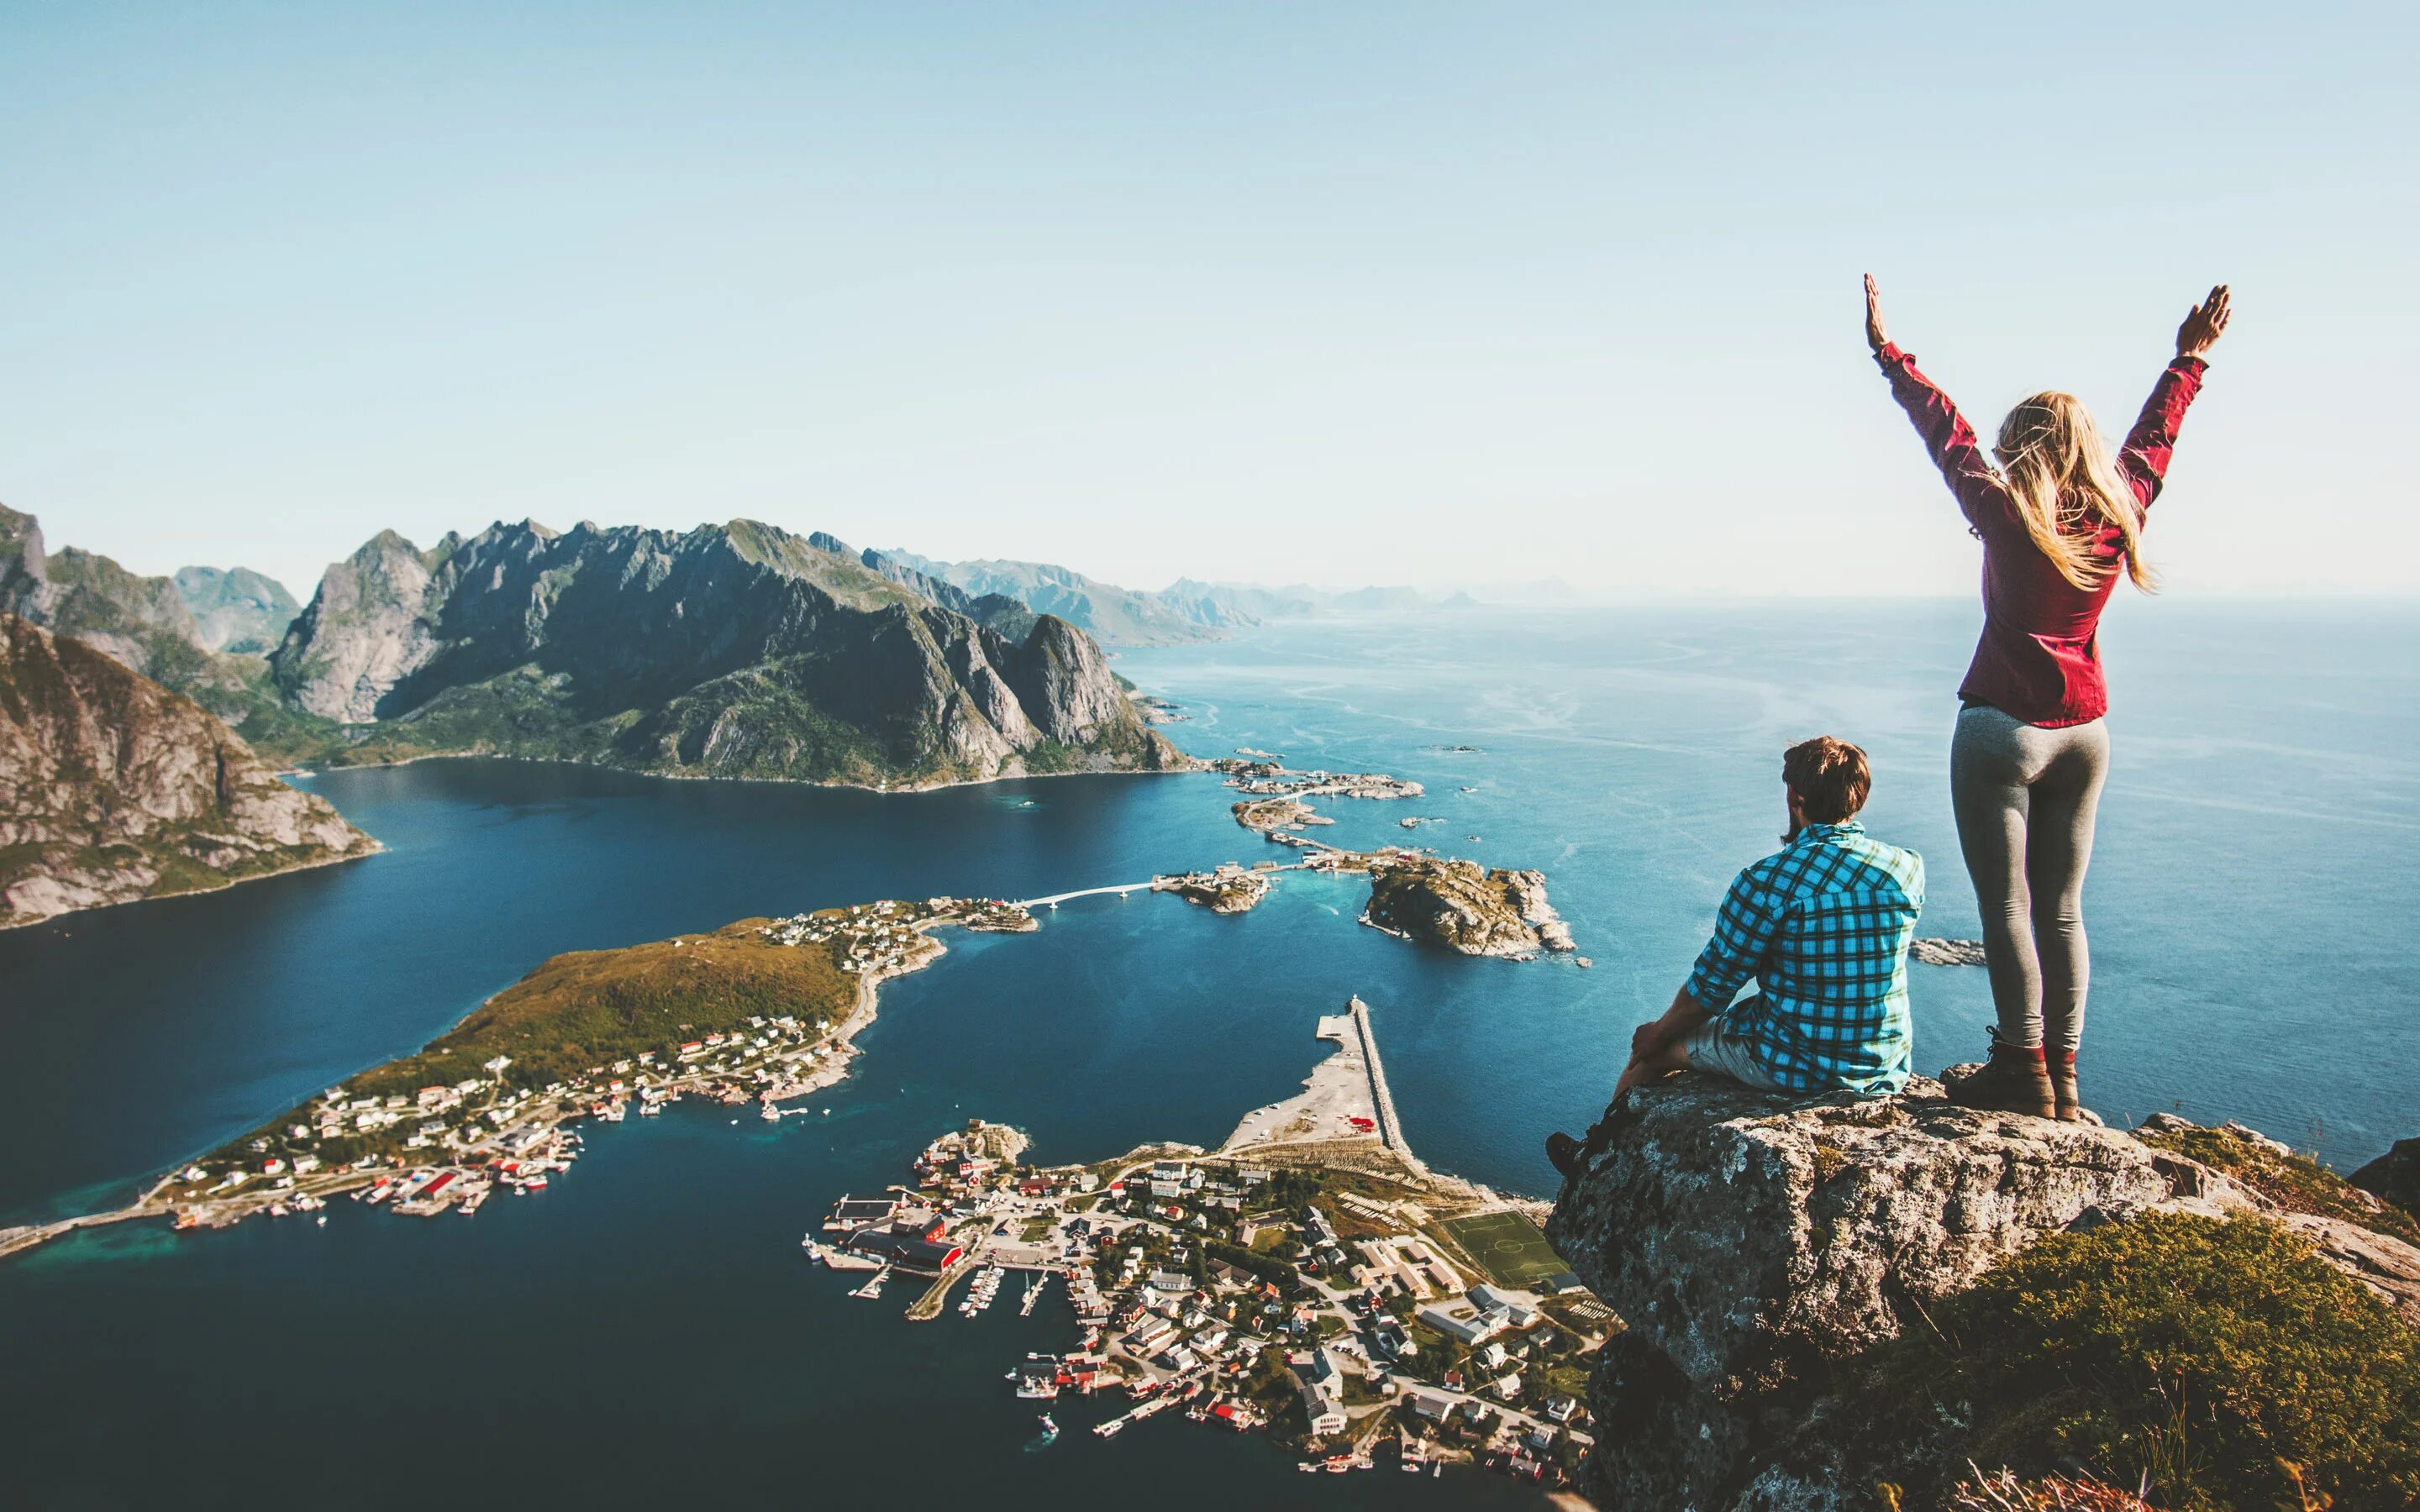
(1462, 906)
(1226, 889)
(1264, 816)
(113, 789)
(1938, 952)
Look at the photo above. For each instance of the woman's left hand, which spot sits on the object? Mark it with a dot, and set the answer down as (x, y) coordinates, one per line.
(1875, 337)
(2202, 326)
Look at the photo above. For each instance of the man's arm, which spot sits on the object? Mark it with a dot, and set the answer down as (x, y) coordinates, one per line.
(1656, 1048)
(1745, 928)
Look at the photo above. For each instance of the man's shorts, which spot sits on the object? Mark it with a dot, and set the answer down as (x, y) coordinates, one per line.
(1712, 1048)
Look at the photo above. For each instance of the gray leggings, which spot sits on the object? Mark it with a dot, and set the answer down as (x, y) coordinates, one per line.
(2025, 797)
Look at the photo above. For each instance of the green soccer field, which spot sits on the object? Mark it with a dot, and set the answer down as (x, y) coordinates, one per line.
(1511, 1246)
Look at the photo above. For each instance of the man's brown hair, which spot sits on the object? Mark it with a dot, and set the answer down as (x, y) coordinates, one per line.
(1830, 778)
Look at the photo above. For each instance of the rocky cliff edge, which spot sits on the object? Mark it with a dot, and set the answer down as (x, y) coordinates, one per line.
(1757, 1246)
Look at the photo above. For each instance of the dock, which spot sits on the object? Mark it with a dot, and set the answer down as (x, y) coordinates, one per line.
(928, 1307)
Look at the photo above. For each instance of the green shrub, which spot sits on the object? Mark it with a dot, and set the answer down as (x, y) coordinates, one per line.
(2224, 1359)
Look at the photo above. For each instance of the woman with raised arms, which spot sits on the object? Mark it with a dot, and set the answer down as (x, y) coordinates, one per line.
(2060, 520)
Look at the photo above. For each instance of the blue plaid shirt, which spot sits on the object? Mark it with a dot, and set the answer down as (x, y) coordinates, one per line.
(1822, 924)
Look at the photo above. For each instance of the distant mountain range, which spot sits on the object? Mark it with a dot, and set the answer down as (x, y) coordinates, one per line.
(1186, 609)
(734, 650)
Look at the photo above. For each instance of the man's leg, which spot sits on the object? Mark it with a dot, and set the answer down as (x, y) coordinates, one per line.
(1715, 1052)
(1722, 1056)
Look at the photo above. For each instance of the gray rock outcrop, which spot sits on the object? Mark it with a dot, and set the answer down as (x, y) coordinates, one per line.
(145, 623)
(1756, 1243)
(2394, 1175)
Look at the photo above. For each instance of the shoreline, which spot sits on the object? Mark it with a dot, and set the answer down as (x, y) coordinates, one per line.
(1194, 766)
(377, 847)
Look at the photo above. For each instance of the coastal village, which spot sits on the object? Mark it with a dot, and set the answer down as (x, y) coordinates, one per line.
(1309, 1280)
(492, 1107)
(449, 1146)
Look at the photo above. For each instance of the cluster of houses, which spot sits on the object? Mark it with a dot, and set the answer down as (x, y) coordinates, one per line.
(478, 1120)
(879, 936)
(1183, 1301)
(1268, 778)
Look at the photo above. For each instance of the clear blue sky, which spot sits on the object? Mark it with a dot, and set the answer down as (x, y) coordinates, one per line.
(1348, 293)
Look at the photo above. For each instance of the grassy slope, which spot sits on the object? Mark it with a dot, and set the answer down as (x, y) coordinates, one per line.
(2295, 1183)
(2222, 1359)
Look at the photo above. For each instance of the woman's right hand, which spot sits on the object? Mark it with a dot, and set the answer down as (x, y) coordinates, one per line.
(2202, 326)
(1875, 337)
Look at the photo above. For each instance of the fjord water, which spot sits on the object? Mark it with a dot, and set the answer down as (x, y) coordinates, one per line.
(646, 1326)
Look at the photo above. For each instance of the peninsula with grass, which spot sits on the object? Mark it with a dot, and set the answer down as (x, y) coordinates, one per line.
(763, 1011)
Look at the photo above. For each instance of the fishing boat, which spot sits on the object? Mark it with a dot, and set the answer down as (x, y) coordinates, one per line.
(1049, 1429)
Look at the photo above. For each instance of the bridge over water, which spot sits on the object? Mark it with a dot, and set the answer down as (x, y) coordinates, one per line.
(1121, 888)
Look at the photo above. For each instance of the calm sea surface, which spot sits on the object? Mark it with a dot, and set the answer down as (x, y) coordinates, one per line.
(646, 1328)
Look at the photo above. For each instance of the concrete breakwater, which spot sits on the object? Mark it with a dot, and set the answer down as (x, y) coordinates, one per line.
(1390, 1128)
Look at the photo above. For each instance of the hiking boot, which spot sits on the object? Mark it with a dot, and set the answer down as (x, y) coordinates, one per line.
(1564, 1151)
(2062, 1086)
(2015, 1080)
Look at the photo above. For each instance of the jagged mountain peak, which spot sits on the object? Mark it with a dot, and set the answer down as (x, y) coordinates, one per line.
(739, 648)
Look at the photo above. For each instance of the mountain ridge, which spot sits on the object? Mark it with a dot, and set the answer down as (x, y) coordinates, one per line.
(736, 650)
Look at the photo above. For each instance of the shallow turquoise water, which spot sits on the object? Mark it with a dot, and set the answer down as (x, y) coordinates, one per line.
(648, 1317)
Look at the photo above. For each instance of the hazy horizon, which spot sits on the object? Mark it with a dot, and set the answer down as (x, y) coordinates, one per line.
(1406, 296)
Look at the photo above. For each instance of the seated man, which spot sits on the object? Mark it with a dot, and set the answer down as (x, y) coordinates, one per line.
(1823, 925)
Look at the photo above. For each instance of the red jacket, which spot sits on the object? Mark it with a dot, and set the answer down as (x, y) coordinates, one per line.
(2039, 657)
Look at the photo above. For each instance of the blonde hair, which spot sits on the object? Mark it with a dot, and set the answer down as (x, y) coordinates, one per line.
(2063, 483)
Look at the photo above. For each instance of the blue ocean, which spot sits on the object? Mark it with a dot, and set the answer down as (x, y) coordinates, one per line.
(647, 1329)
